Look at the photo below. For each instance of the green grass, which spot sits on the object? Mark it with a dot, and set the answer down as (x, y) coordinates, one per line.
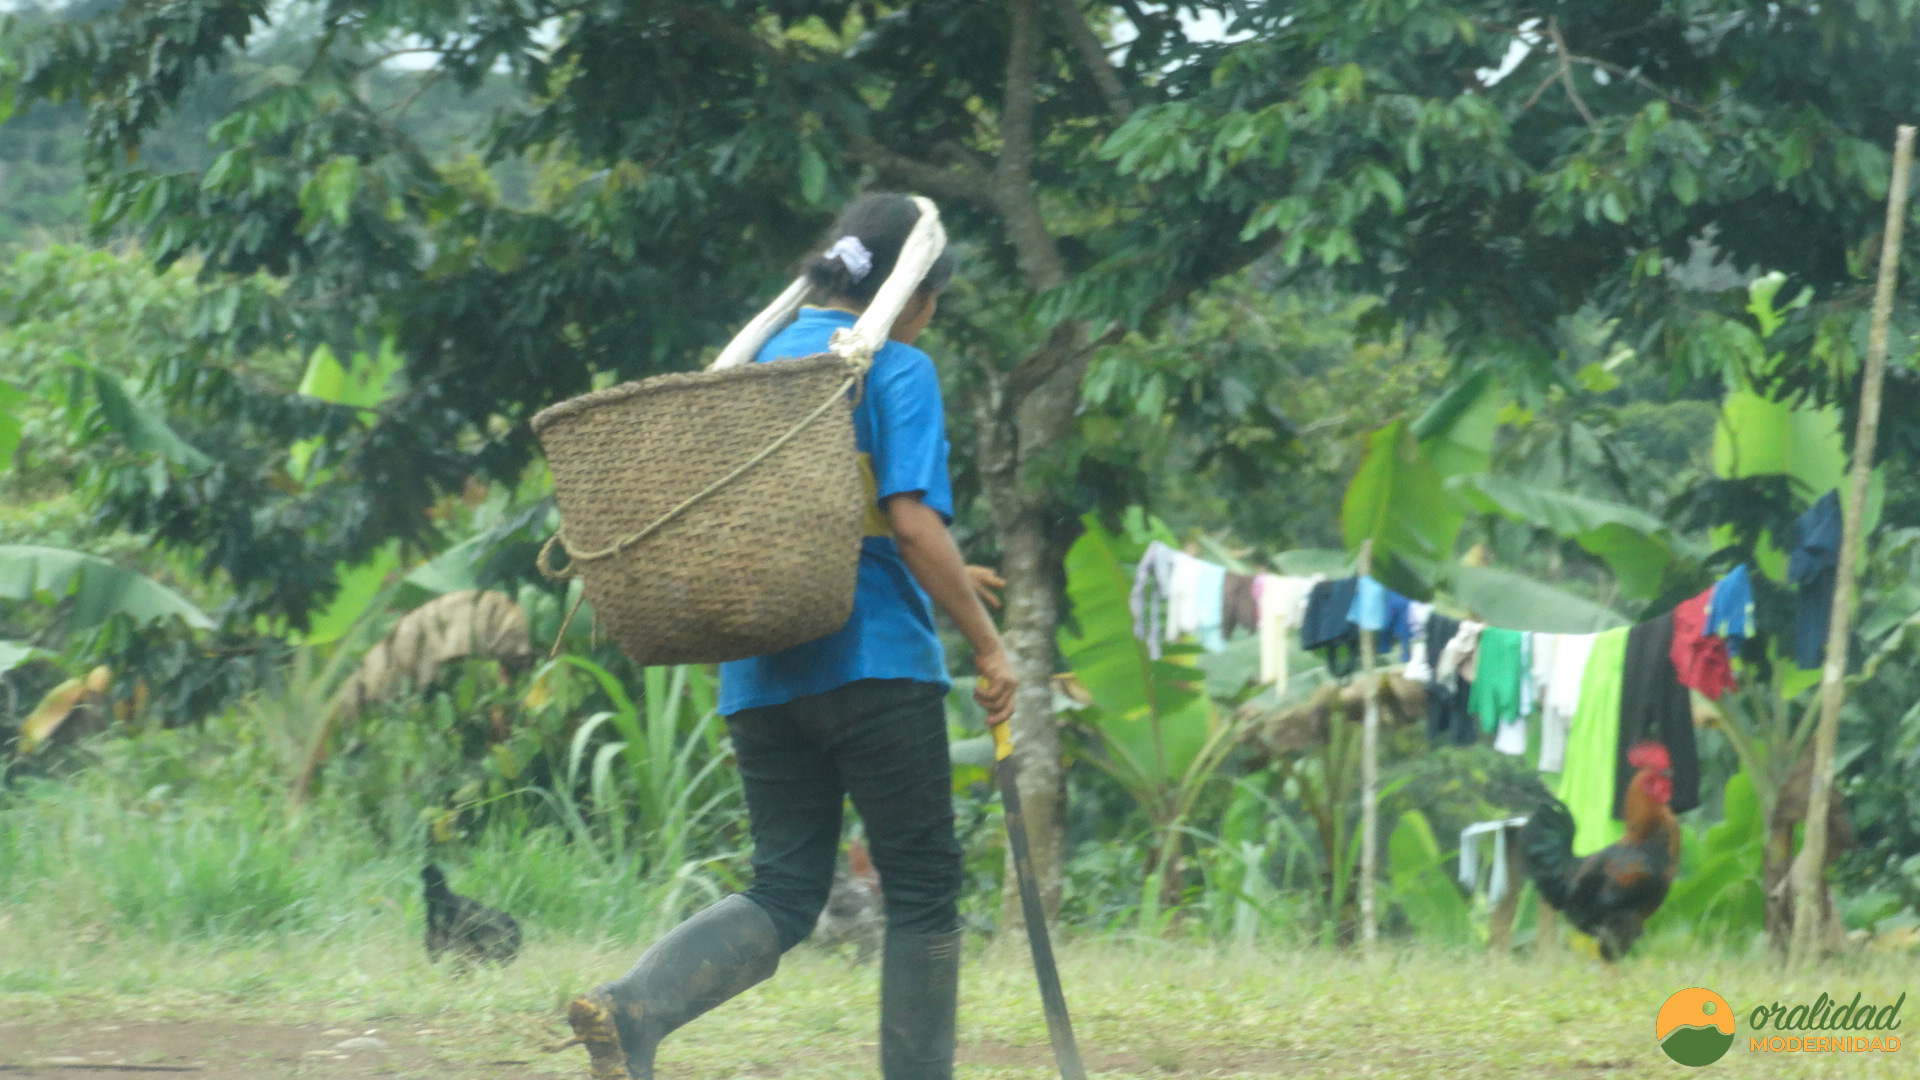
(164, 891)
(1142, 1009)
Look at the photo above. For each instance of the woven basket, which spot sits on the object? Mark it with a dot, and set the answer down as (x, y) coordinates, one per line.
(717, 516)
(763, 563)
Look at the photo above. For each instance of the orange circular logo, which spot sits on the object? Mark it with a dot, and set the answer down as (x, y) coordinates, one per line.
(1695, 1027)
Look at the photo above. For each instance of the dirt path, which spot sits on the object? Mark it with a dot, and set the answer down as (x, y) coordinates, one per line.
(227, 1050)
(233, 1050)
(222, 1050)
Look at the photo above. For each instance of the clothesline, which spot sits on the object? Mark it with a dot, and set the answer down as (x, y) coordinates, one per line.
(1595, 695)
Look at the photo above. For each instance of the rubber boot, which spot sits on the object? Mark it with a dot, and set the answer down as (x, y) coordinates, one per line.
(699, 964)
(919, 994)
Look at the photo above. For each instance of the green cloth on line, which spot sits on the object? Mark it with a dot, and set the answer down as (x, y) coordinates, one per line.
(1593, 738)
(1496, 677)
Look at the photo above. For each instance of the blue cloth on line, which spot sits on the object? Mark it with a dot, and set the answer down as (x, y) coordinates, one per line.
(1210, 580)
(1369, 608)
(900, 427)
(1812, 568)
(1383, 611)
(1730, 612)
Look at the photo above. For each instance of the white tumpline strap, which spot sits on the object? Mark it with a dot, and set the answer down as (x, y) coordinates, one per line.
(857, 343)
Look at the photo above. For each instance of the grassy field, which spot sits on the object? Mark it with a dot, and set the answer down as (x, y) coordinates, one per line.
(316, 1006)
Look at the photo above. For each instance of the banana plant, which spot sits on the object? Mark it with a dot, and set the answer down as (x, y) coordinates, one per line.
(1156, 732)
(99, 589)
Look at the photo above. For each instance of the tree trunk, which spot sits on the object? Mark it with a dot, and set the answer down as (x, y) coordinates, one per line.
(1813, 909)
(1032, 615)
(1775, 864)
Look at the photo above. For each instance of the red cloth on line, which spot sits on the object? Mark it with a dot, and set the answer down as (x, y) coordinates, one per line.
(1700, 659)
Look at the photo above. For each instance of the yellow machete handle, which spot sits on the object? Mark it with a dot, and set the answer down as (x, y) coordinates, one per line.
(1002, 741)
(1002, 733)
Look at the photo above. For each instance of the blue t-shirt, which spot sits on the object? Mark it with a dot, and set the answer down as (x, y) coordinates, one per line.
(900, 425)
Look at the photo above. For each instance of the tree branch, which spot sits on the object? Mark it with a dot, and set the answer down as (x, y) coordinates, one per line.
(1630, 74)
(1566, 72)
(1094, 55)
(961, 182)
(1033, 245)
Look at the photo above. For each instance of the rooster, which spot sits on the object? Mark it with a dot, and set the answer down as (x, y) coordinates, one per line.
(1610, 893)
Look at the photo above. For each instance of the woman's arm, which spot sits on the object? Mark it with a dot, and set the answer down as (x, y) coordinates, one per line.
(935, 561)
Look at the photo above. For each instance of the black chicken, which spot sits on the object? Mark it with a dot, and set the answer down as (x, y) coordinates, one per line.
(472, 931)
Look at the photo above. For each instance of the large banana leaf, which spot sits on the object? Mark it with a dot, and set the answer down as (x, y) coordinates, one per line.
(14, 653)
(1421, 885)
(144, 429)
(1152, 715)
(1720, 890)
(1399, 500)
(1518, 602)
(10, 400)
(364, 382)
(100, 589)
(360, 588)
(1758, 437)
(1638, 546)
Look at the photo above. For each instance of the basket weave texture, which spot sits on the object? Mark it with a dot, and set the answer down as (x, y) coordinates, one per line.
(763, 563)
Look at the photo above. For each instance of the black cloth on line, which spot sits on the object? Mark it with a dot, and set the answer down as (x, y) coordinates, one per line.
(1325, 627)
(1448, 721)
(1814, 567)
(1654, 707)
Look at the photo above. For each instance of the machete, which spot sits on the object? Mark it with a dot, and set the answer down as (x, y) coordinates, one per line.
(1059, 1028)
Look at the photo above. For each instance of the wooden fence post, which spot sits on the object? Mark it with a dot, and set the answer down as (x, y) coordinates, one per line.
(1810, 912)
(1369, 776)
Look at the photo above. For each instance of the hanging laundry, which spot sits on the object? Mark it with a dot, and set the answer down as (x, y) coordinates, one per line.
(1496, 679)
(1448, 721)
(1700, 658)
(1419, 667)
(1730, 614)
(1199, 590)
(1150, 599)
(1816, 557)
(1283, 606)
(1511, 737)
(1540, 647)
(1560, 698)
(1369, 608)
(1381, 610)
(1208, 598)
(1325, 626)
(1457, 657)
(1586, 780)
(1529, 697)
(1470, 838)
(1654, 707)
(1239, 609)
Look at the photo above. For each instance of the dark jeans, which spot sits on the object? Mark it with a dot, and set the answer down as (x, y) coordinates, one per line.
(881, 741)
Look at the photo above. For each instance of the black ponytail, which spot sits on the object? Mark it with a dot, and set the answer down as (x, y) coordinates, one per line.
(881, 222)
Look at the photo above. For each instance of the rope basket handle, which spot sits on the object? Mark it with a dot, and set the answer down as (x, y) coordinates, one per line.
(858, 343)
(855, 344)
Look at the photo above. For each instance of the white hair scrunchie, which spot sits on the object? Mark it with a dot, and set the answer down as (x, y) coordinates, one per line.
(853, 255)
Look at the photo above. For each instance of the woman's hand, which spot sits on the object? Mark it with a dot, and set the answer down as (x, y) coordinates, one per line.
(985, 581)
(995, 690)
(935, 562)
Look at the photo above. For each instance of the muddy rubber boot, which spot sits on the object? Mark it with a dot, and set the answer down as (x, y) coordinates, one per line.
(919, 993)
(699, 964)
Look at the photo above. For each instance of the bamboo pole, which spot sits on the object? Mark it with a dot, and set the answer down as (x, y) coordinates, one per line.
(1369, 776)
(1810, 912)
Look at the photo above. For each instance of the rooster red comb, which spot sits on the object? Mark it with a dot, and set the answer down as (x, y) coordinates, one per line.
(1650, 755)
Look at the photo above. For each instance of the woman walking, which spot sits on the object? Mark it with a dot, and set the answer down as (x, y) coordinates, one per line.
(859, 713)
